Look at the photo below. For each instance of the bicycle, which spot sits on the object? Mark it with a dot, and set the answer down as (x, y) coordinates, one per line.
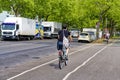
(107, 40)
(62, 59)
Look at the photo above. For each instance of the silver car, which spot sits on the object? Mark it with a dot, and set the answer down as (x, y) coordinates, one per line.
(85, 36)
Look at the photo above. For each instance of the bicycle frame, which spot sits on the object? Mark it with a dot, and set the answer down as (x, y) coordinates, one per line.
(62, 58)
(107, 40)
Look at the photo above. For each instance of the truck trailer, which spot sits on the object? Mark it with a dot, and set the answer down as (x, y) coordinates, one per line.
(51, 29)
(18, 28)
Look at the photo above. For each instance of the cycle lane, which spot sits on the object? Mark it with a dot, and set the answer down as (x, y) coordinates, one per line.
(105, 66)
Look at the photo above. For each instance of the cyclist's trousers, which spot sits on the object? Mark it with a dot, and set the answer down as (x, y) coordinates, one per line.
(59, 45)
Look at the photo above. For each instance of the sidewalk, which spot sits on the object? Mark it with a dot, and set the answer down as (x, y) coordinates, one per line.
(102, 40)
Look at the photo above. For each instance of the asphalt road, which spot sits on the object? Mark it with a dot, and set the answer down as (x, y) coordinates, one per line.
(38, 60)
(14, 54)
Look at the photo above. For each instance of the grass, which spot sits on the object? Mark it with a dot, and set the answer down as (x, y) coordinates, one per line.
(99, 40)
(116, 37)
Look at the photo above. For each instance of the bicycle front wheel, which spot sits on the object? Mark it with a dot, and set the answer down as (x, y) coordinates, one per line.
(107, 41)
(61, 64)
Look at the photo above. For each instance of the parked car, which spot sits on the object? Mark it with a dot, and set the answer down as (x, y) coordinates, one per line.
(85, 36)
(92, 34)
(75, 33)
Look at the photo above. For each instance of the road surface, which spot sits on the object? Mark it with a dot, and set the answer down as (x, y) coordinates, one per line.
(86, 62)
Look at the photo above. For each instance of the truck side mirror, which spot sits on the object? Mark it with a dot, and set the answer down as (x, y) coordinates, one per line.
(17, 26)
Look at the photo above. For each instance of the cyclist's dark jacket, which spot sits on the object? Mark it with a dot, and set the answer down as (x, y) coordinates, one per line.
(60, 33)
(60, 40)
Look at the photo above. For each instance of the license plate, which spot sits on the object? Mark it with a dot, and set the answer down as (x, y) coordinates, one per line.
(7, 36)
(82, 36)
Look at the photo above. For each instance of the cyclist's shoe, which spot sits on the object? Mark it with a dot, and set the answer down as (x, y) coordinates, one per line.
(66, 57)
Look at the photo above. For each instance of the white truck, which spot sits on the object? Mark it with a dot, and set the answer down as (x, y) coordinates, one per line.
(18, 28)
(51, 29)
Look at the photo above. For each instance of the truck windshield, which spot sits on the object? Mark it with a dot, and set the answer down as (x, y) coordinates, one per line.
(47, 29)
(8, 26)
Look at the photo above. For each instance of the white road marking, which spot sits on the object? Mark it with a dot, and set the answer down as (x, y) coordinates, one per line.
(84, 63)
(26, 49)
(34, 68)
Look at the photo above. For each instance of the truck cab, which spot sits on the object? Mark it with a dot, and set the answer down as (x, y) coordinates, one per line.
(47, 31)
(9, 30)
(51, 29)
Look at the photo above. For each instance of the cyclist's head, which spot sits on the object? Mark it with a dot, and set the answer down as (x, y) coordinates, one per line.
(64, 26)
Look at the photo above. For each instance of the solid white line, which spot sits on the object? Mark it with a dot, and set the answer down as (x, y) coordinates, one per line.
(84, 63)
(44, 64)
(31, 69)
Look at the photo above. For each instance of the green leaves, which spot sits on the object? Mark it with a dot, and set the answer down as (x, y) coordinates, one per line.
(77, 13)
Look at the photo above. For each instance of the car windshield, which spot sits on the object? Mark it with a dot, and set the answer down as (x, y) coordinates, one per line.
(83, 34)
(8, 26)
(91, 33)
(47, 29)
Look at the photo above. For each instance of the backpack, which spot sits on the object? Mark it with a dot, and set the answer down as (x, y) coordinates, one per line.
(65, 41)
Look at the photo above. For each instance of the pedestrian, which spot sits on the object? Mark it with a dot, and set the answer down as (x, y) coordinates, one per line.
(42, 33)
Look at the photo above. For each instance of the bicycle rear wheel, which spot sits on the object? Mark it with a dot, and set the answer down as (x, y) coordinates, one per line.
(61, 64)
(66, 62)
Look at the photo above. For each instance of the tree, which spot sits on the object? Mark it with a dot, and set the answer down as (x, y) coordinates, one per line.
(77, 13)
(17, 7)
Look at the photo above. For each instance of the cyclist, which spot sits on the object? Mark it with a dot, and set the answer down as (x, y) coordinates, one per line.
(107, 36)
(60, 39)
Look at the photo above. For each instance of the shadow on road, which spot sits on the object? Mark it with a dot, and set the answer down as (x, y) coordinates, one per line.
(56, 66)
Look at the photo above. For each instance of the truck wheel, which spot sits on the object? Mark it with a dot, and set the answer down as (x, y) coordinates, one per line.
(28, 38)
(2, 39)
(18, 38)
(51, 37)
(31, 38)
